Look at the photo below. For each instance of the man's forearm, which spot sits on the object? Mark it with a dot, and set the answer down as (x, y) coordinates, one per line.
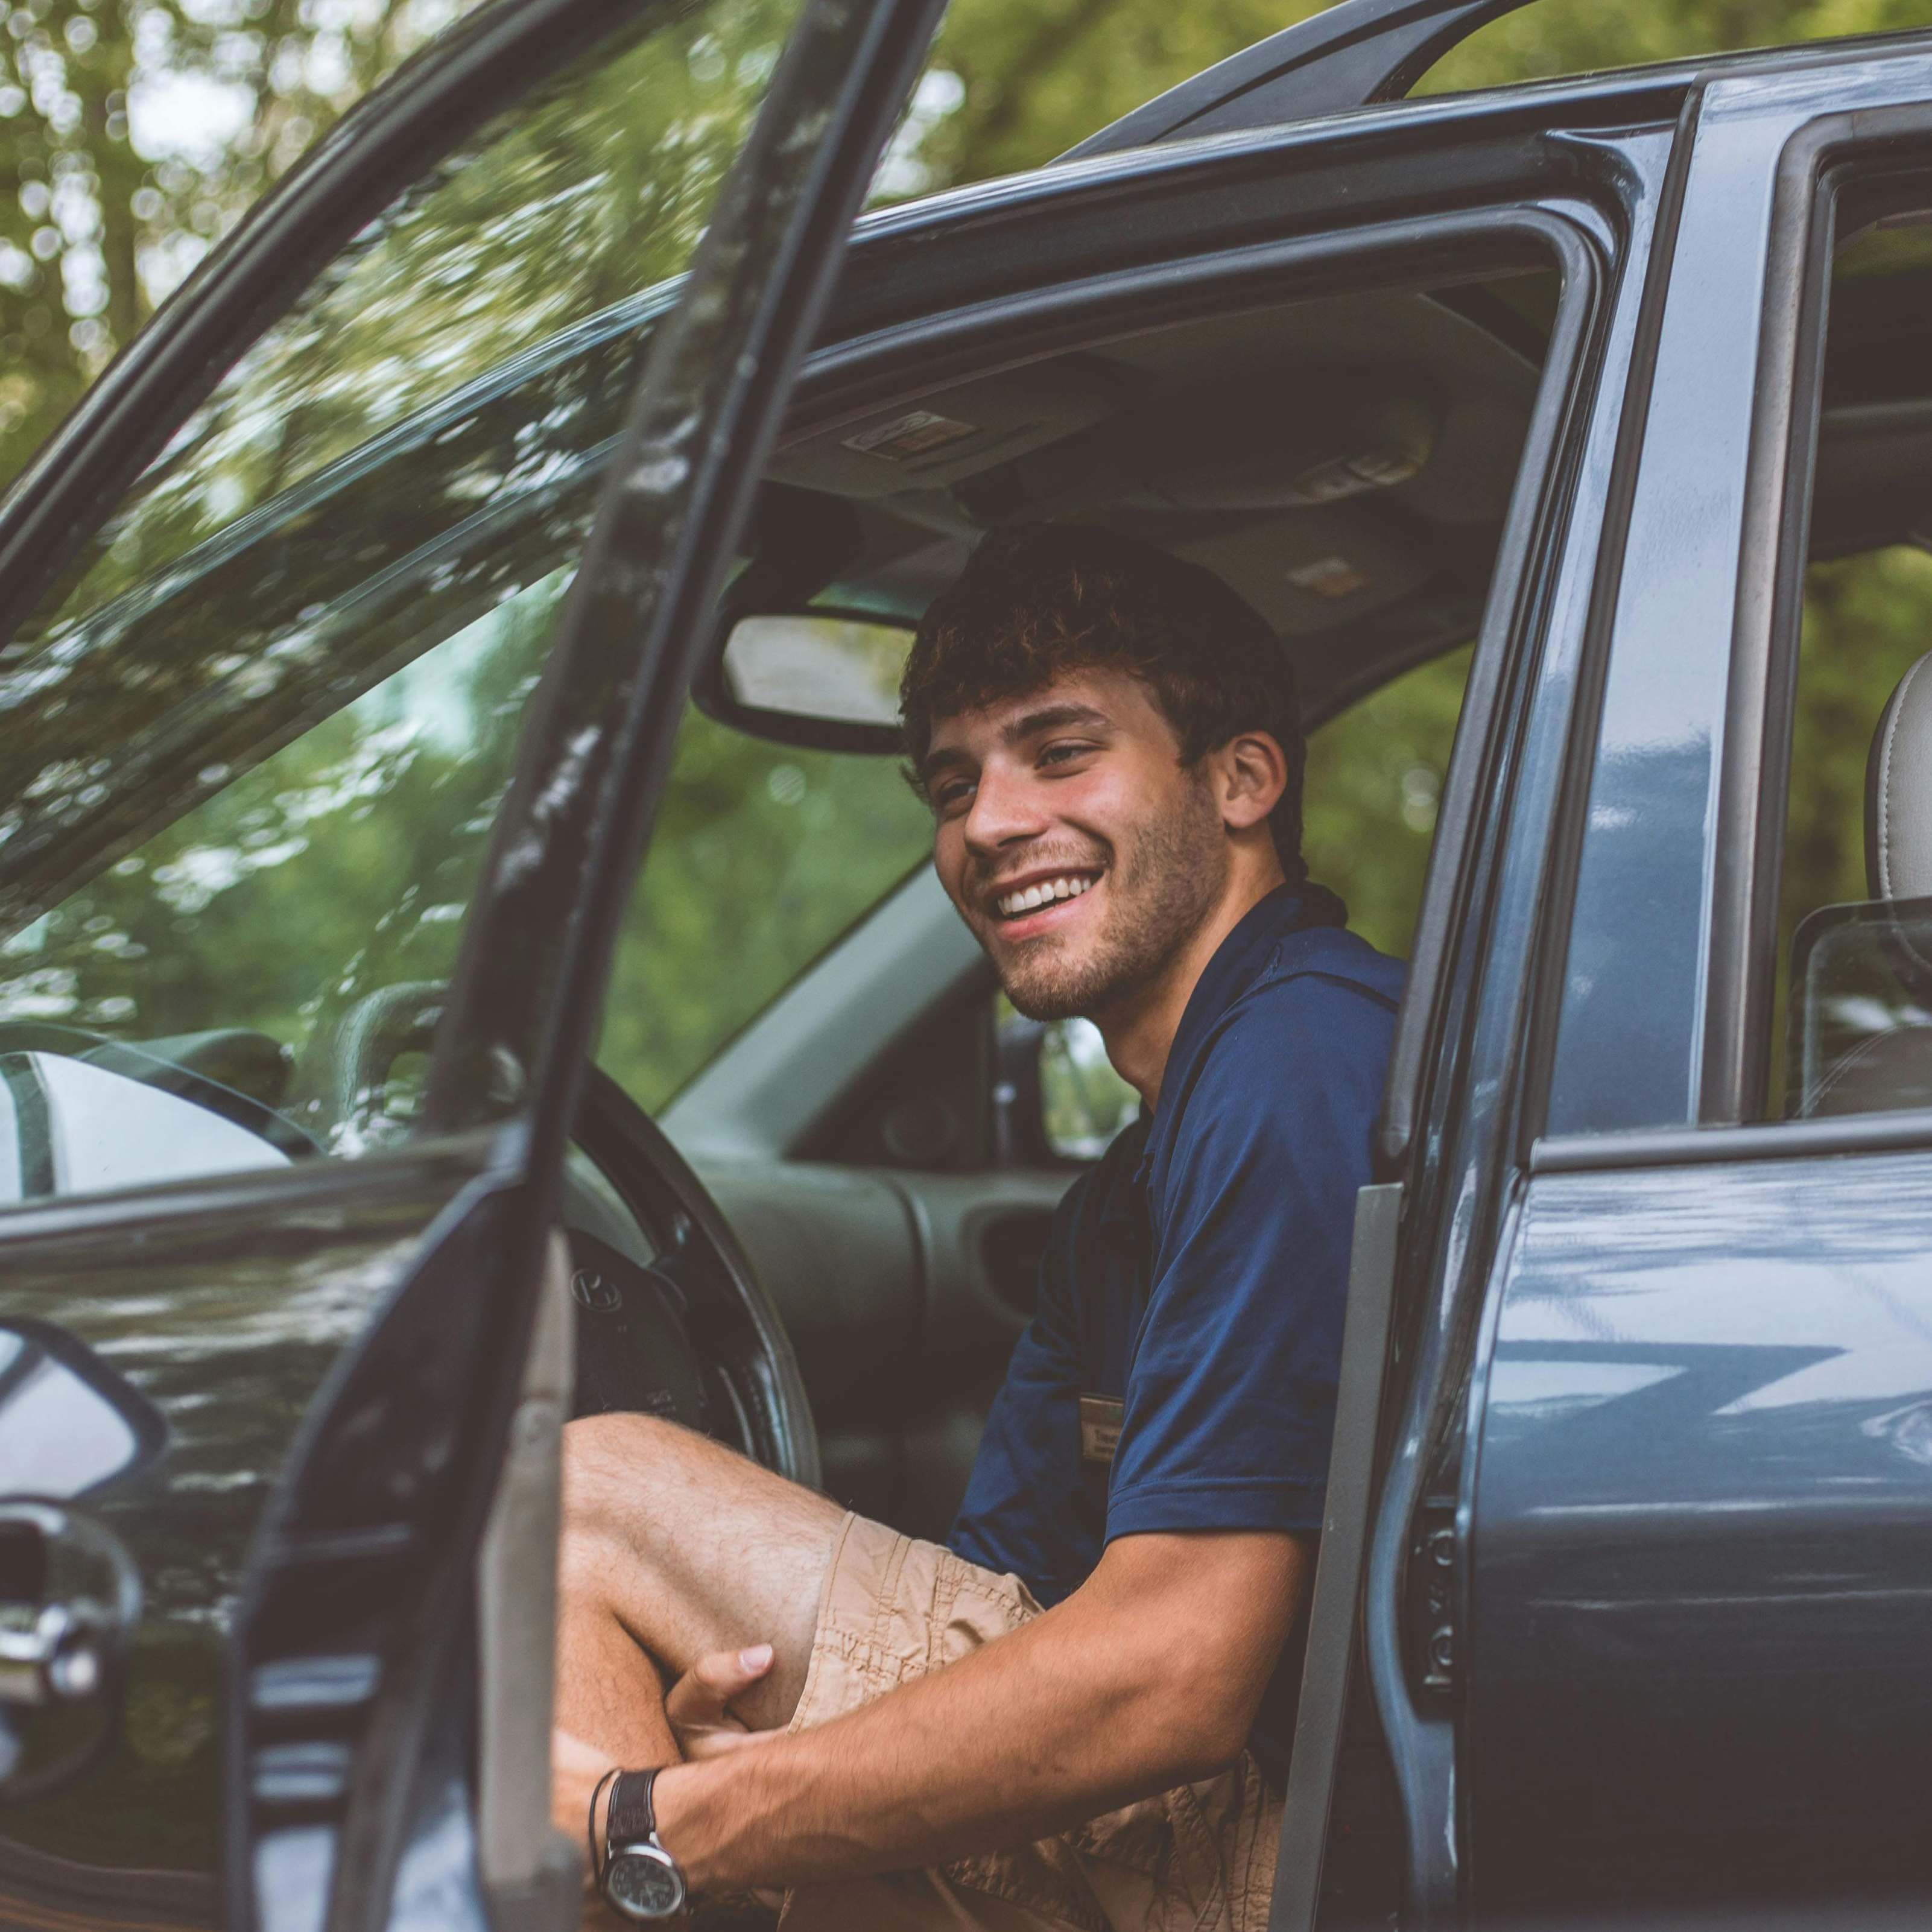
(1106, 1698)
(1026, 1736)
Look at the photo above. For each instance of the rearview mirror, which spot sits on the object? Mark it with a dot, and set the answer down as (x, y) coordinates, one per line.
(824, 678)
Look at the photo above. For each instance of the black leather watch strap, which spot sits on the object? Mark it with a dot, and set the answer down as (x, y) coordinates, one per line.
(631, 1816)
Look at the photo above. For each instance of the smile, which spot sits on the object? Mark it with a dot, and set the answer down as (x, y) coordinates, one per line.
(1024, 899)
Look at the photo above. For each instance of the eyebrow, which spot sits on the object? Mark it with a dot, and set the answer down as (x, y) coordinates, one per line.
(1029, 724)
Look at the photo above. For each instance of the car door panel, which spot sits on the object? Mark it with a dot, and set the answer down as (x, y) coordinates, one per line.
(904, 1293)
(1699, 1513)
(229, 1306)
(1703, 1554)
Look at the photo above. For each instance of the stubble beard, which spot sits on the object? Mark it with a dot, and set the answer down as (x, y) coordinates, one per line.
(1162, 886)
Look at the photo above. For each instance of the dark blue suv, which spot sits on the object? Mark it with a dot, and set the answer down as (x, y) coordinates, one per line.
(465, 958)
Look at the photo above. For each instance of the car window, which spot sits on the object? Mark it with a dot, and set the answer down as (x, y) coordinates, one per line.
(762, 856)
(288, 939)
(585, 199)
(1851, 1023)
(258, 738)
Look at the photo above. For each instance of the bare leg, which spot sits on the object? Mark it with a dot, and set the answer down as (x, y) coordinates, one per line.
(673, 1546)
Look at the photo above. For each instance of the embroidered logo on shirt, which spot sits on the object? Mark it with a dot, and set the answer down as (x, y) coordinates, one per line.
(1100, 1419)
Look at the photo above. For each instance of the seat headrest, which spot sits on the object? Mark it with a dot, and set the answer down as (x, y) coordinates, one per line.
(1898, 791)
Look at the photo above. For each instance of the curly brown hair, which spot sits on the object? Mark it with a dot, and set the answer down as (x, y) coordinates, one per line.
(1037, 600)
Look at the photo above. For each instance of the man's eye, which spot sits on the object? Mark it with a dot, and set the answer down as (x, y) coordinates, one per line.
(1064, 752)
(950, 797)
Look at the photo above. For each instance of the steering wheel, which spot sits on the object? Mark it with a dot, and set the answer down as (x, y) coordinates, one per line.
(690, 1334)
(698, 1317)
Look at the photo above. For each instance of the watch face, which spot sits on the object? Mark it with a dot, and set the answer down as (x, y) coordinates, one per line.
(641, 1883)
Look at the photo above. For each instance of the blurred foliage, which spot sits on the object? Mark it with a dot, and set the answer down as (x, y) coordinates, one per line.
(763, 855)
(1375, 775)
(133, 133)
(136, 132)
(1014, 82)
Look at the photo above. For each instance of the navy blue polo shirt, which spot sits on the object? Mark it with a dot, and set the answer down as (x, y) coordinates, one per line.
(1197, 1276)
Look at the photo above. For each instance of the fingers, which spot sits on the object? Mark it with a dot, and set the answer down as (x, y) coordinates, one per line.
(699, 1698)
(699, 1745)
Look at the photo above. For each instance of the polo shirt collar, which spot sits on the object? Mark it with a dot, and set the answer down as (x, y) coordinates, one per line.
(1239, 961)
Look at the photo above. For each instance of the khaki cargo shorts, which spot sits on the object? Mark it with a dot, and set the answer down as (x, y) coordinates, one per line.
(1199, 1858)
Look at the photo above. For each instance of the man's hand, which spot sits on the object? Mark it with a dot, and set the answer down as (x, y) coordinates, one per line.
(698, 1703)
(699, 1708)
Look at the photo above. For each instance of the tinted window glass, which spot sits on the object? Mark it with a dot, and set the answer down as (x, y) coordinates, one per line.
(1375, 775)
(260, 742)
(593, 190)
(288, 938)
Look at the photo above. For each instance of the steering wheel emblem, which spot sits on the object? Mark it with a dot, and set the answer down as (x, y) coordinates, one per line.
(599, 1296)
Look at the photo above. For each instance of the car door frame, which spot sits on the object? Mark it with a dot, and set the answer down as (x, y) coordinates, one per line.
(707, 405)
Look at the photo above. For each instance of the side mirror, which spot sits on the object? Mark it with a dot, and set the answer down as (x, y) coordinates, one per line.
(825, 679)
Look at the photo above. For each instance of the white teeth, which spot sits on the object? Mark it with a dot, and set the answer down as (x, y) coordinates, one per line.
(1030, 897)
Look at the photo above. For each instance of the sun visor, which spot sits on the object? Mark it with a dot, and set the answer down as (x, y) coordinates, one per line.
(949, 435)
(1309, 570)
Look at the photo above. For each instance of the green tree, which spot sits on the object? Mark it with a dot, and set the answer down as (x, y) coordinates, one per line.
(133, 134)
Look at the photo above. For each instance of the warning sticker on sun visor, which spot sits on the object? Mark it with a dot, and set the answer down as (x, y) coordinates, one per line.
(917, 433)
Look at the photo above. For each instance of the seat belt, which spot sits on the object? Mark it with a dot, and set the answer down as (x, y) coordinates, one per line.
(1334, 1612)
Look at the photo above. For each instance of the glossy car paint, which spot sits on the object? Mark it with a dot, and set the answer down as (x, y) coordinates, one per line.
(1702, 1555)
(229, 1305)
(1460, 1162)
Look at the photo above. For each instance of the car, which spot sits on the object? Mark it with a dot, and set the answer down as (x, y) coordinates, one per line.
(444, 553)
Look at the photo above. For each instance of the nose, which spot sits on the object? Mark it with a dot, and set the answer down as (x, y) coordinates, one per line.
(1006, 811)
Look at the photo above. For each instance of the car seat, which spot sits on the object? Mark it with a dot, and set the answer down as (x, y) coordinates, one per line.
(1891, 1067)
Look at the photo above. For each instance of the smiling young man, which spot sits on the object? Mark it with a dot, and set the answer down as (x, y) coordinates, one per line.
(1078, 1713)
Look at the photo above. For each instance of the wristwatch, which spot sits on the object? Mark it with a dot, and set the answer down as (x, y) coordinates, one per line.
(640, 1879)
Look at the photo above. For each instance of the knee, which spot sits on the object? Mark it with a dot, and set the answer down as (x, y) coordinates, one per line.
(609, 1461)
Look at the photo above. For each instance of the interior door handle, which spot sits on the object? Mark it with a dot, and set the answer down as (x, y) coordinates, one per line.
(70, 1603)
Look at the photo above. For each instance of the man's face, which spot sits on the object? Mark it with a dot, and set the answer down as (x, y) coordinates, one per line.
(1081, 852)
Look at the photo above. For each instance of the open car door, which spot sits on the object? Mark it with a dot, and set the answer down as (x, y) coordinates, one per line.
(264, 1329)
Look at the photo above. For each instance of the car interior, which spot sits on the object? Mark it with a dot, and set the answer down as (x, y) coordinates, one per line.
(878, 1142)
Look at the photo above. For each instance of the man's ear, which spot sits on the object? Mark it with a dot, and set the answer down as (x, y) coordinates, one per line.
(1251, 774)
